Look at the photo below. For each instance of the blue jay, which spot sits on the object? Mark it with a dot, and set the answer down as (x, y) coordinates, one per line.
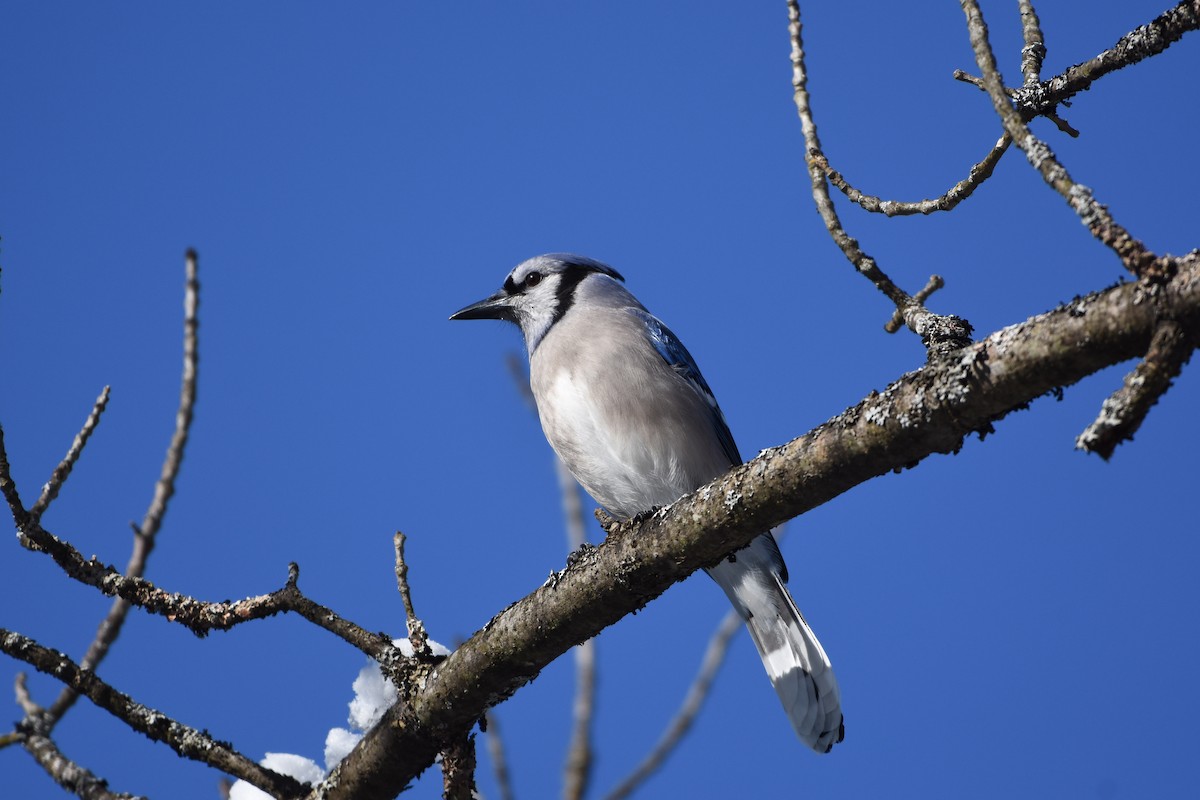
(624, 405)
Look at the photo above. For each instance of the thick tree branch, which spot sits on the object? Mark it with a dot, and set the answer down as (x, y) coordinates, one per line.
(928, 411)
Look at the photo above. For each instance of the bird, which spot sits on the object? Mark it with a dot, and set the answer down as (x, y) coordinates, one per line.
(623, 404)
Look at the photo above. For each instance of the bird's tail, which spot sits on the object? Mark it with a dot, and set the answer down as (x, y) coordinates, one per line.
(794, 659)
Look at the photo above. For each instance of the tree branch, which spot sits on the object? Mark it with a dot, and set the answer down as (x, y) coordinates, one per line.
(927, 411)
(417, 636)
(1122, 413)
(1133, 254)
(577, 771)
(196, 615)
(1034, 51)
(681, 723)
(63, 470)
(896, 208)
(940, 334)
(1139, 44)
(458, 769)
(184, 740)
(496, 754)
(143, 538)
(69, 775)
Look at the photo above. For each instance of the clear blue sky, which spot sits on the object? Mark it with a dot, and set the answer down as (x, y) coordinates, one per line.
(1016, 620)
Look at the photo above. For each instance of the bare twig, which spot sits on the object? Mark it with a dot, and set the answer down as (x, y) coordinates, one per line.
(976, 81)
(1032, 55)
(196, 615)
(1122, 413)
(1034, 51)
(681, 723)
(21, 689)
(458, 769)
(69, 775)
(497, 755)
(940, 332)
(63, 470)
(1139, 44)
(1095, 216)
(165, 487)
(577, 771)
(144, 536)
(896, 208)
(8, 488)
(934, 283)
(861, 261)
(184, 740)
(417, 636)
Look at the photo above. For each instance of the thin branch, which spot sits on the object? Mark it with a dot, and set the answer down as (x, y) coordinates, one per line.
(1137, 45)
(861, 261)
(1122, 413)
(697, 694)
(144, 536)
(496, 754)
(977, 82)
(196, 615)
(1032, 55)
(1034, 51)
(164, 489)
(458, 769)
(681, 723)
(896, 208)
(8, 488)
(930, 410)
(1094, 215)
(24, 700)
(186, 741)
(934, 283)
(69, 775)
(940, 333)
(63, 470)
(417, 636)
(577, 771)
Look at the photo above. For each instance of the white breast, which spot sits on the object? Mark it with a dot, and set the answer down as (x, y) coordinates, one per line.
(633, 433)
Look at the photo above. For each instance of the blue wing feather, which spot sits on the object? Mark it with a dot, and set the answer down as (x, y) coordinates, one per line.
(680, 360)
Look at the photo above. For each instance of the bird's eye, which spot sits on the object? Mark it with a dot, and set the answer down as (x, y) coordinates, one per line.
(533, 279)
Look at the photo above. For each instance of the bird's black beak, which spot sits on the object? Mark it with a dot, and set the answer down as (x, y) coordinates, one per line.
(498, 306)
